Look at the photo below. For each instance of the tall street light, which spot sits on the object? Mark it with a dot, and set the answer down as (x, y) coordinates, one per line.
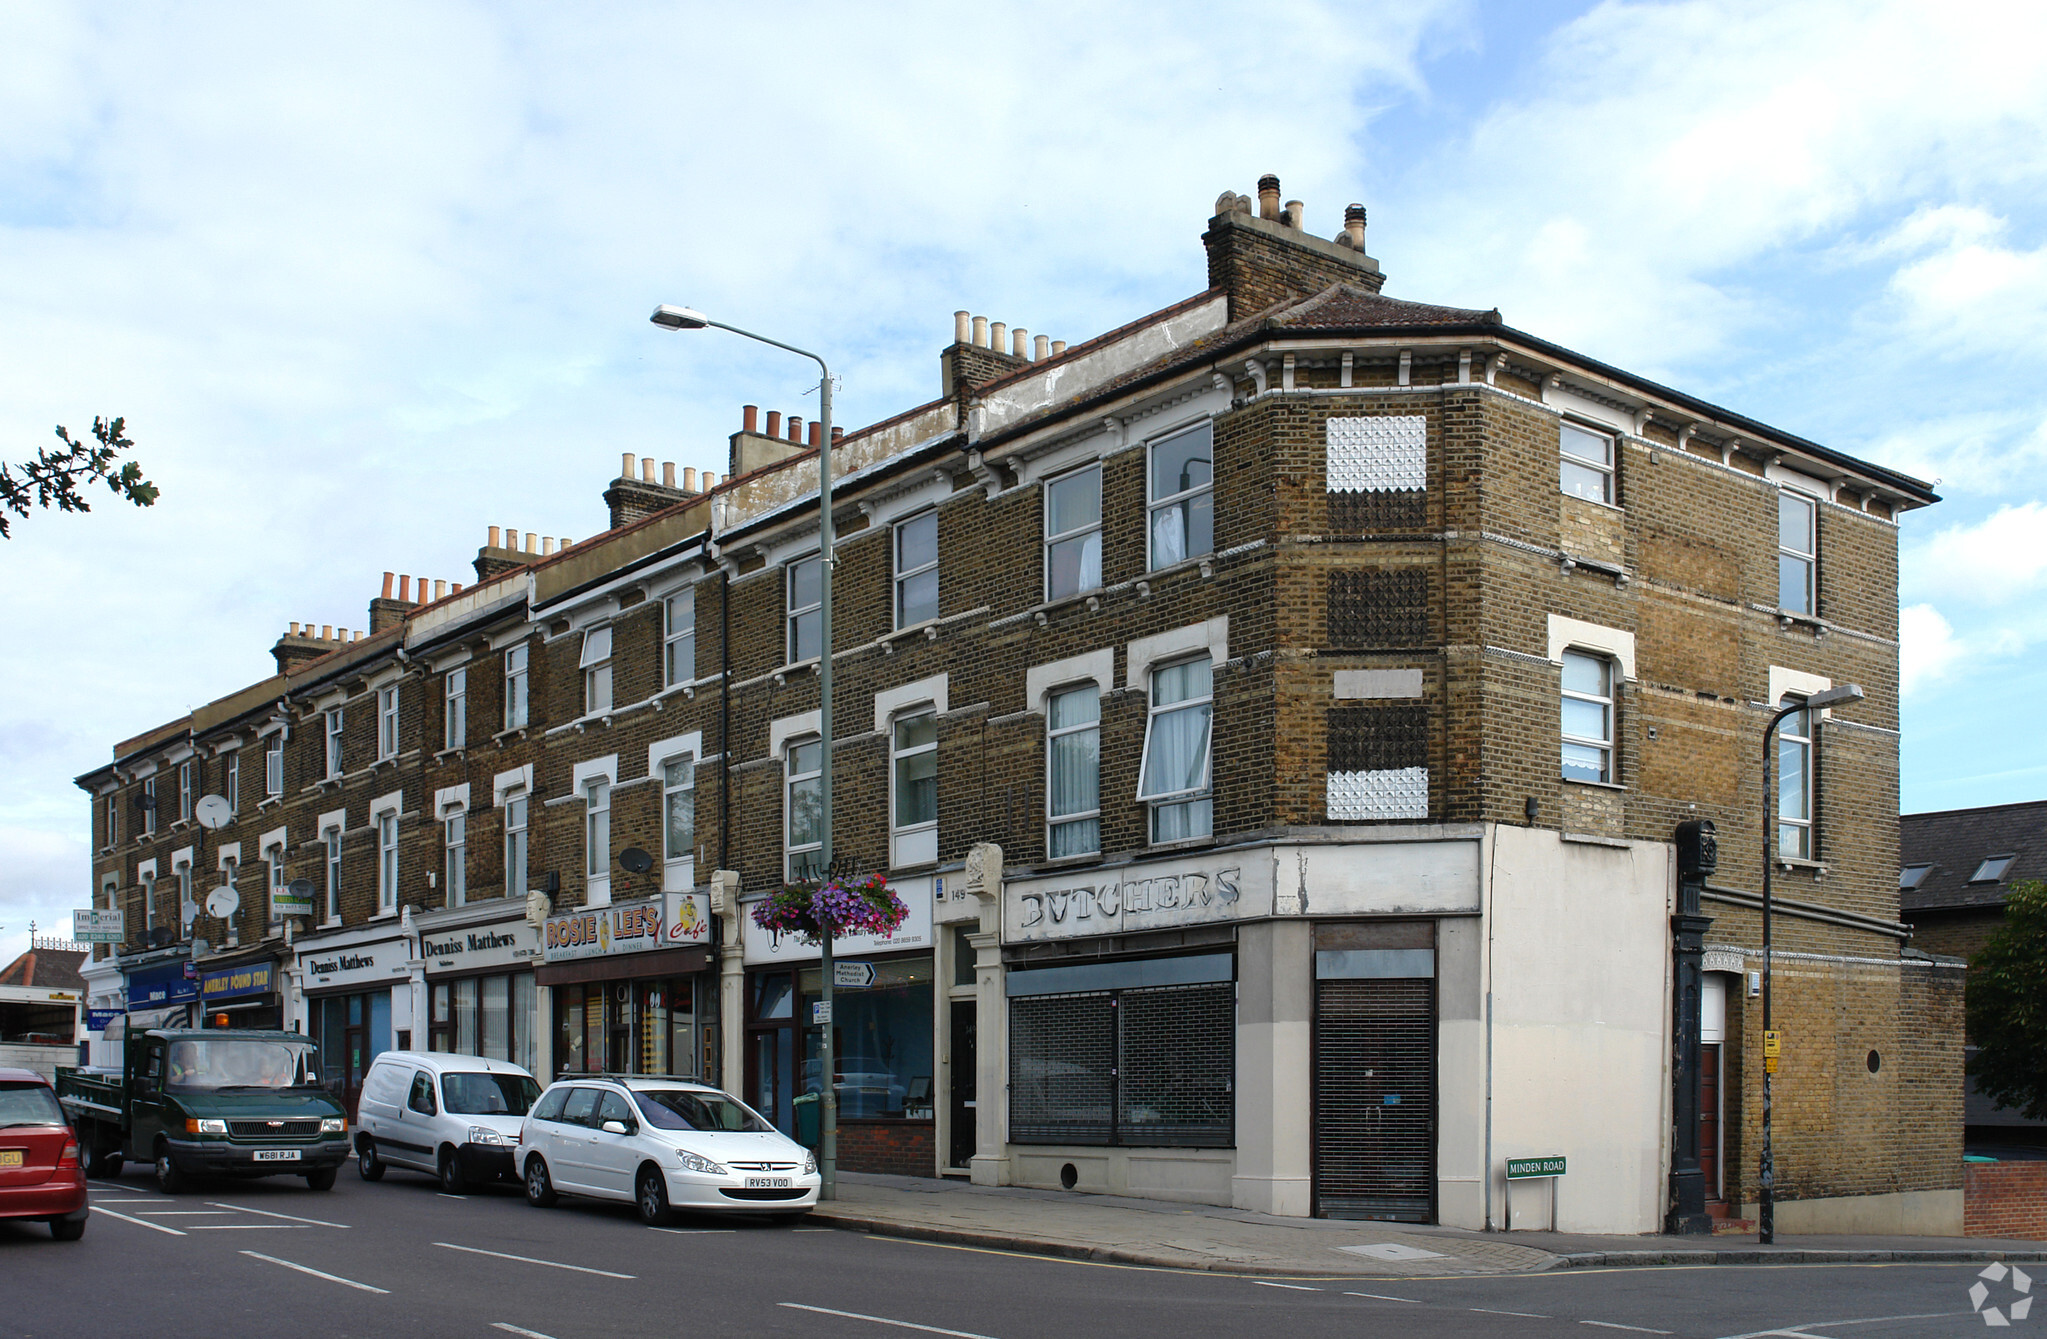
(1831, 697)
(683, 318)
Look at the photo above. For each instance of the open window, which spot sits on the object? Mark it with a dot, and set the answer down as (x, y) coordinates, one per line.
(1174, 777)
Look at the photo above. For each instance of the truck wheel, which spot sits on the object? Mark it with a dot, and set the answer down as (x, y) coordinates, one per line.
(322, 1179)
(368, 1165)
(452, 1180)
(169, 1179)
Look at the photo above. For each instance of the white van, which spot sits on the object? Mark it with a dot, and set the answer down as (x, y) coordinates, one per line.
(453, 1116)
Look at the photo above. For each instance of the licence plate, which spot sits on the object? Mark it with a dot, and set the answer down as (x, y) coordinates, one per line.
(11, 1157)
(277, 1155)
(767, 1183)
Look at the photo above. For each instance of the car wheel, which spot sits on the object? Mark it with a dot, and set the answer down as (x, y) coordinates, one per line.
(169, 1179)
(651, 1195)
(368, 1165)
(67, 1229)
(322, 1179)
(539, 1185)
(452, 1180)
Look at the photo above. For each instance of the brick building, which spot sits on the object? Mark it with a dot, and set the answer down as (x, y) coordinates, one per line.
(1276, 712)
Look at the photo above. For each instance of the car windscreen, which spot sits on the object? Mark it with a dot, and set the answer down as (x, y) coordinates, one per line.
(475, 1094)
(240, 1062)
(28, 1104)
(678, 1109)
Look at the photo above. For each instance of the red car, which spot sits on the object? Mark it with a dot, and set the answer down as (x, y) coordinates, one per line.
(41, 1175)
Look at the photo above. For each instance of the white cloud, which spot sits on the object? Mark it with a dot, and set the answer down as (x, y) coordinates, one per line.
(1998, 561)
(1927, 648)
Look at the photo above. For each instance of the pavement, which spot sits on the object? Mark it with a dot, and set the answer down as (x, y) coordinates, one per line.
(1128, 1230)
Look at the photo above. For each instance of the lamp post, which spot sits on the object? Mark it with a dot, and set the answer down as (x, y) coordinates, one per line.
(1766, 1227)
(683, 318)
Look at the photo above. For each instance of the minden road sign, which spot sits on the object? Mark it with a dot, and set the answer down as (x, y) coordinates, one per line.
(1519, 1169)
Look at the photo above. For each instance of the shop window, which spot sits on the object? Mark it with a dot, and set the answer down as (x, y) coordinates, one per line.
(1174, 776)
(917, 570)
(913, 773)
(881, 1037)
(803, 841)
(805, 606)
(1073, 755)
(491, 1016)
(596, 667)
(516, 687)
(455, 710)
(1587, 717)
(1073, 534)
(1182, 496)
(515, 844)
(679, 638)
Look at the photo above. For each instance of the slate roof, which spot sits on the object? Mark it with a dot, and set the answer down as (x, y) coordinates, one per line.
(51, 968)
(1345, 306)
(1957, 841)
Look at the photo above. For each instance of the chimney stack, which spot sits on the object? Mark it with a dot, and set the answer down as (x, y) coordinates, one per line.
(500, 555)
(1265, 259)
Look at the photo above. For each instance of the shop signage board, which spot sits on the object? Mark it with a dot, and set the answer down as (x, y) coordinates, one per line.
(671, 920)
(98, 925)
(96, 1020)
(254, 978)
(160, 985)
(915, 932)
(507, 944)
(1146, 897)
(295, 899)
(374, 963)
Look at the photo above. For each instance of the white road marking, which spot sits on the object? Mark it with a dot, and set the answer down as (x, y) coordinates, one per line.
(884, 1320)
(1638, 1329)
(182, 1213)
(1382, 1297)
(446, 1196)
(246, 1227)
(129, 1190)
(289, 1217)
(514, 1329)
(139, 1222)
(700, 1231)
(1799, 1331)
(529, 1260)
(155, 1201)
(1297, 1287)
(318, 1274)
(1531, 1315)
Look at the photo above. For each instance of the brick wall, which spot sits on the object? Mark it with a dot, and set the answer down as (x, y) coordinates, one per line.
(2005, 1199)
(895, 1147)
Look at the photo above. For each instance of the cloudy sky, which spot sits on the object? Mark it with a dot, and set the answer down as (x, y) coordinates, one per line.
(366, 280)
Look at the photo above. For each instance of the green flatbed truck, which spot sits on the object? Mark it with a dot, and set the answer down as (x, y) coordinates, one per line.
(209, 1102)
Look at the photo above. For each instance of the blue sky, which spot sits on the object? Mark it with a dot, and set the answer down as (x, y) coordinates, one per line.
(368, 279)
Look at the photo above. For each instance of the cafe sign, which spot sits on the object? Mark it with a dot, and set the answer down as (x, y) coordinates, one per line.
(672, 920)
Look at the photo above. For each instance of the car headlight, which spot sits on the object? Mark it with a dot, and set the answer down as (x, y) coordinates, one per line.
(205, 1127)
(691, 1162)
(481, 1135)
(333, 1125)
(809, 1162)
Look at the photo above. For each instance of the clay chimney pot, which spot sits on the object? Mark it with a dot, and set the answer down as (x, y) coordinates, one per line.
(668, 474)
(749, 418)
(388, 579)
(774, 423)
(1268, 197)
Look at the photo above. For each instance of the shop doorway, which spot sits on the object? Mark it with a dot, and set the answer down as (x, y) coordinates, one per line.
(1374, 1072)
(1712, 1052)
(351, 1030)
(965, 1137)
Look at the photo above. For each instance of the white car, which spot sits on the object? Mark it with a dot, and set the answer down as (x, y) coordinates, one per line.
(660, 1143)
(456, 1117)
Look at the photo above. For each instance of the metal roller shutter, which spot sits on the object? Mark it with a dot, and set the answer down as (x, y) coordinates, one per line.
(1375, 1086)
(1062, 1068)
(1152, 1066)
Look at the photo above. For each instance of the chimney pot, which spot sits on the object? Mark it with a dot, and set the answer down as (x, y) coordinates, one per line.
(496, 539)
(1295, 210)
(388, 579)
(998, 336)
(456, 588)
(1354, 225)
(749, 418)
(668, 474)
(565, 541)
(981, 332)
(795, 428)
(440, 589)
(512, 540)
(774, 423)
(1268, 197)
(837, 434)
(294, 629)
(1020, 342)
(405, 589)
(646, 469)
(326, 632)
(547, 545)
(532, 542)
(816, 432)
(625, 465)
(962, 327)
(689, 479)
(710, 481)
(1041, 349)
(1058, 347)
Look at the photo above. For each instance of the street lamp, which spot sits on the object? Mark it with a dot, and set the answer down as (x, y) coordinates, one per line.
(684, 318)
(1832, 697)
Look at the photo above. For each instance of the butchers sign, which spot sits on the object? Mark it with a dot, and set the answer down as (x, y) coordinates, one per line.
(1120, 902)
(668, 921)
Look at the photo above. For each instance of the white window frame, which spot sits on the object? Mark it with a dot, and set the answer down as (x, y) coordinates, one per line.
(273, 767)
(597, 828)
(182, 871)
(330, 838)
(149, 806)
(455, 854)
(1609, 708)
(273, 856)
(1056, 822)
(1808, 559)
(1789, 740)
(1590, 471)
(334, 757)
(913, 843)
(186, 784)
(1202, 793)
(113, 833)
(518, 683)
(385, 822)
(795, 614)
(595, 664)
(678, 868)
(455, 708)
(679, 638)
(1075, 535)
(791, 779)
(387, 722)
(234, 781)
(906, 574)
(1160, 504)
(145, 874)
(517, 806)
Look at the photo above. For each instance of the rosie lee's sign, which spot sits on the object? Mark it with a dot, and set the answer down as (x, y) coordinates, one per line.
(671, 920)
(1120, 903)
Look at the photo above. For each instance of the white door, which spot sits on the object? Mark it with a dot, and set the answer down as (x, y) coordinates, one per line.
(615, 1157)
(568, 1142)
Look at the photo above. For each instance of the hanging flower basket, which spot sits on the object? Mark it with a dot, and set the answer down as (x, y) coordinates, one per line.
(862, 904)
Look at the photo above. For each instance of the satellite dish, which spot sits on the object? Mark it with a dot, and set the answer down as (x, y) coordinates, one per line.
(635, 861)
(190, 911)
(302, 889)
(222, 901)
(213, 812)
